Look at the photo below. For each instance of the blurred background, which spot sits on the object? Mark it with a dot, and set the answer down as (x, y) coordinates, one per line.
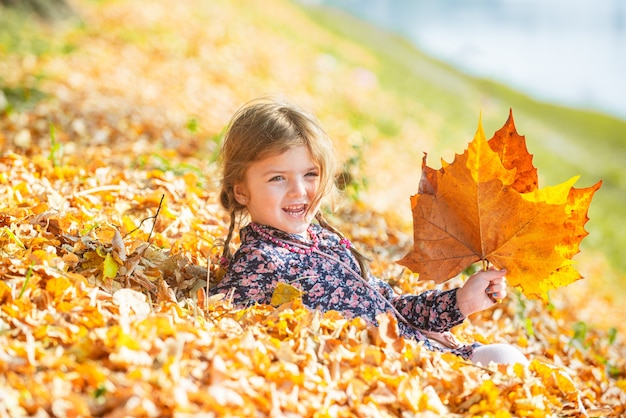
(567, 52)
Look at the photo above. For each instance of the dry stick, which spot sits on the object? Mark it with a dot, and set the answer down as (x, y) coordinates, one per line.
(153, 224)
(155, 218)
(208, 281)
(149, 217)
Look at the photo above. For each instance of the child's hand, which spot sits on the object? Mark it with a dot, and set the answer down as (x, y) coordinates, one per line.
(480, 290)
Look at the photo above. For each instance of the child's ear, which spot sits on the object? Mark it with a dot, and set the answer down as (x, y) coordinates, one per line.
(241, 194)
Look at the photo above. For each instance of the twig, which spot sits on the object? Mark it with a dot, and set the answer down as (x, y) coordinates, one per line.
(208, 283)
(478, 366)
(105, 188)
(155, 218)
(149, 217)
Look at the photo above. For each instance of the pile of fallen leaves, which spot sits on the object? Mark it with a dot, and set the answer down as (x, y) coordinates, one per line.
(110, 233)
(100, 316)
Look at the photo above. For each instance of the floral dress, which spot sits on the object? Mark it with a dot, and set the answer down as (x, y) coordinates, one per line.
(329, 279)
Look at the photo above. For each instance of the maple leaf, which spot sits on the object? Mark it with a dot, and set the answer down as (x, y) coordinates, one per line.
(486, 206)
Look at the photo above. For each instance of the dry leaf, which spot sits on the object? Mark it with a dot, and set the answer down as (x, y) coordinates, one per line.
(471, 210)
(283, 293)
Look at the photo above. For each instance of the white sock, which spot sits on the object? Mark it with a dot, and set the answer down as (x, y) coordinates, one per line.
(498, 353)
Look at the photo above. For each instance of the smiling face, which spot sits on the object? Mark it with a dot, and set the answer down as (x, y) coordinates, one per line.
(278, 191)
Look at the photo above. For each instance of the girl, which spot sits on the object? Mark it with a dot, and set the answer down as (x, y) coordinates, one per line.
(278, 165)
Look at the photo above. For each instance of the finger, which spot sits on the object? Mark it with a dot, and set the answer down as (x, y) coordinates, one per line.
(485, 278)
(498, 284)
(492, 275)
(496, 295)
(497, 287)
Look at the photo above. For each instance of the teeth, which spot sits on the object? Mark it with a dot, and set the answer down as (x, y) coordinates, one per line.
(294, 209)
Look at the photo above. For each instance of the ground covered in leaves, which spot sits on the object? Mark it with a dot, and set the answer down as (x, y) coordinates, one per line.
(109, 239)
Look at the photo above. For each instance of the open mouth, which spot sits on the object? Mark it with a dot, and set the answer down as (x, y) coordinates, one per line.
(295, 210)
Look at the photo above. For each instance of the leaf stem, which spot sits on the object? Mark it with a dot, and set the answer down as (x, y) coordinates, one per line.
(485, 264)
(485, 268)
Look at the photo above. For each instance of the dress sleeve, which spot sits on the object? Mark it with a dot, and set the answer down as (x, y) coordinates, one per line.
(433, 310)
(251, 278)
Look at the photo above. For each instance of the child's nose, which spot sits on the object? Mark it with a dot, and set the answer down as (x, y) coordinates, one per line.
(298, 188)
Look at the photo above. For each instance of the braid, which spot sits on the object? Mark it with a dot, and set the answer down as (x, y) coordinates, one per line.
(229, 203)
(360, 257)
(226, 255)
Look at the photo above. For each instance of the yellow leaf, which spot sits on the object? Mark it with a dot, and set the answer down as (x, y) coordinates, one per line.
(284, 293)
(57, 286)
(5, 293)
(128, 224)
(41, 257)
(109, 267)
(553, 375)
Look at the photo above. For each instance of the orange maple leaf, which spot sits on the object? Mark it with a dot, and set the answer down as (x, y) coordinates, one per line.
(486, 206)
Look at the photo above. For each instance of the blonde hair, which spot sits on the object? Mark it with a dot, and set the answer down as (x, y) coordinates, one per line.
(264, 128)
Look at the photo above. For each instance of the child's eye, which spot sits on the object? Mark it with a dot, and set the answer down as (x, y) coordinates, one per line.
(312, 174)
(277, 178)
